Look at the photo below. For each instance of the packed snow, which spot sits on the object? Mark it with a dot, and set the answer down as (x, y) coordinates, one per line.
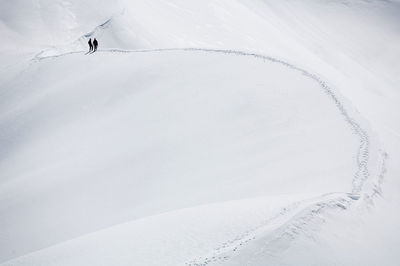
(201, 133)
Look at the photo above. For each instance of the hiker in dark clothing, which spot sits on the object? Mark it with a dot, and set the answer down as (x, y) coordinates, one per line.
(95, 44)
(90, 45)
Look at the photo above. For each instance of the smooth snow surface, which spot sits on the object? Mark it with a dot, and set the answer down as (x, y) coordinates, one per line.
(202, 133)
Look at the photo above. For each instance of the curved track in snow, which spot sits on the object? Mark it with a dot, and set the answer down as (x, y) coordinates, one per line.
(294, 219)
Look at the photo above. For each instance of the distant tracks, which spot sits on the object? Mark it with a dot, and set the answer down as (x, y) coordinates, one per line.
(297, 216)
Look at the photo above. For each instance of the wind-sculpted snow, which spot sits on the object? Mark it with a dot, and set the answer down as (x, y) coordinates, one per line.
(291, 221)
(294, 219)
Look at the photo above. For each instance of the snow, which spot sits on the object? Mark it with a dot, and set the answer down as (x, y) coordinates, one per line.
(147, 242)
(140, 154)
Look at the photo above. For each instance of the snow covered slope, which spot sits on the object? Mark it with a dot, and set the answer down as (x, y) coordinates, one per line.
(199, 156)
(157, 131)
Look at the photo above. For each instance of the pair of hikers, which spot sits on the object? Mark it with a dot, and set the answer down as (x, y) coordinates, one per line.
(93, 46)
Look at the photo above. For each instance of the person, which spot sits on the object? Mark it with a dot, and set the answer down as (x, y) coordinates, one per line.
(90, 45)
(95, 44)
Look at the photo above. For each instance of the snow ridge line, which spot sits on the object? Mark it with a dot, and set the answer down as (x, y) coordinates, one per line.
(362, 173)
(297, 216)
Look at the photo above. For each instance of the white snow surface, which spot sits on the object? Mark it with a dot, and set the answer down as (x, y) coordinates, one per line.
(201, 133)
